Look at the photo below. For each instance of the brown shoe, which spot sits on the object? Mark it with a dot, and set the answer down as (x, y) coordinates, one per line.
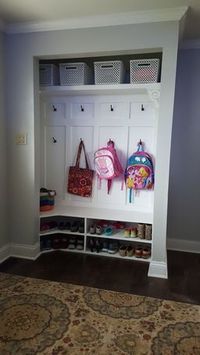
(146, 253)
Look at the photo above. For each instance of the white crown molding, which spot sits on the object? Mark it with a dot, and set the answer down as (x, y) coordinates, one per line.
(188, 246)
(190, 44)
(125, 18)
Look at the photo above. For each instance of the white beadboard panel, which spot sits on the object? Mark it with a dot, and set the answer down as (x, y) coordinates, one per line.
(86, 133)
(113, 110)
(143, 200)
(142, 113)
(82, 110)
(56, 113)
(147, 136)
(55, 157)
(120, 136)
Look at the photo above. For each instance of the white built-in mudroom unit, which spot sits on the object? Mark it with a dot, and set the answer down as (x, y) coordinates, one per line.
(56, 117)
(122, 112)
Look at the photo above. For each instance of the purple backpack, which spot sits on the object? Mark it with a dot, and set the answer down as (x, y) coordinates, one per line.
(139, 172)
(107, 164)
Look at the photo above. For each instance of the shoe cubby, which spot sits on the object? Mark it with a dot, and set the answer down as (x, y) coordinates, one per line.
(119, 230)
(95, 236)
(60, 232)
(117, 248)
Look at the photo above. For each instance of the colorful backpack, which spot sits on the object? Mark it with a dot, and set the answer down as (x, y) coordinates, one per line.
(107, 164)
(139, 172)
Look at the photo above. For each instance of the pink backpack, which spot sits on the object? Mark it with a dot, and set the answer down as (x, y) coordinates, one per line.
(106, 163)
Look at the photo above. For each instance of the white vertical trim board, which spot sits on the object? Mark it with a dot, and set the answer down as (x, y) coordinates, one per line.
(4, 252)
(158, 269)
(188, 246)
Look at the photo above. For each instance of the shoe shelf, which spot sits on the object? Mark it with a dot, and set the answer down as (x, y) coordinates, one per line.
(125, 239)
(117, 255)
(119, 236)
(59, 231)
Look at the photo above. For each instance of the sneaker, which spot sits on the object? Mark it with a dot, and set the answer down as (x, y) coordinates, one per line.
(56, 243)
(112, 248)
(72, 243)
(105, 246)
(74, 227)
(64, 242)
(98, 246)
(122, 250)
(92, 245)
(68, 226)
(99, 230)
(81, 228)
(92, 229)
(138, 252)
(61, 225)
(80, 244)
(146, 253)
(108, 231)
(129, 251)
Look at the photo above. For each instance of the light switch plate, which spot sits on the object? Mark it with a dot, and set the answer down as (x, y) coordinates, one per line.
(21, 138)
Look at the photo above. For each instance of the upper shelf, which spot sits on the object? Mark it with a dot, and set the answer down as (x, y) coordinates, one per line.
(153, 88)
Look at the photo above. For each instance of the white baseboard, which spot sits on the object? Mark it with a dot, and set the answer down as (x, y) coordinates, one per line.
(158, 269)
(25, 251)
(188, 246)
(4, 252)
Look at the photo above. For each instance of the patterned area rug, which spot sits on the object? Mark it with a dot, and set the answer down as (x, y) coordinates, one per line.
(42, 317)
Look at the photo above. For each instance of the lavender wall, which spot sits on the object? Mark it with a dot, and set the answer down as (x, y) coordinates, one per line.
(184, 191)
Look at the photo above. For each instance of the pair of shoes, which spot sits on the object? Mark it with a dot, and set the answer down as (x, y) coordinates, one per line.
(95, 245)
(126, 250)
(48, 226)
(64, 225)
(144, 253)
(95, 229)
(72, 243)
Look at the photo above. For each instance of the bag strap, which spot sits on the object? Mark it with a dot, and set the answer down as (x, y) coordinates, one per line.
(140, 147)
(81, 145)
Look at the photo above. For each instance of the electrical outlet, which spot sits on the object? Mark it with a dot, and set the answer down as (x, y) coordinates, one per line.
(21, 138)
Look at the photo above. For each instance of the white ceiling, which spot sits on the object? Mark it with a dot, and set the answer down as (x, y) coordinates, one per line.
(39, 11)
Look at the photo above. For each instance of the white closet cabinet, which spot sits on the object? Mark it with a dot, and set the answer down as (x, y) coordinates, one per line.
(124, 113)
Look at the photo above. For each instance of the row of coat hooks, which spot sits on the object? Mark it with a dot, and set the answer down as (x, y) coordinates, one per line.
(82, 108)
(54, 140)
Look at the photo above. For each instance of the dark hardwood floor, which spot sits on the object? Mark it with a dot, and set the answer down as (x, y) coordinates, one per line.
(115, 274)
